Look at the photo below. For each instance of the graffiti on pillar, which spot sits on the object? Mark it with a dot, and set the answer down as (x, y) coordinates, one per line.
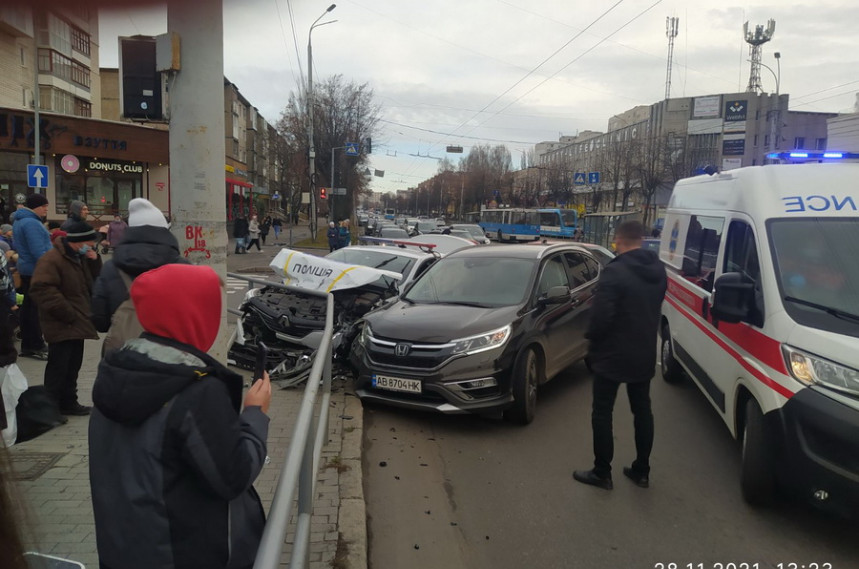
(194, 233)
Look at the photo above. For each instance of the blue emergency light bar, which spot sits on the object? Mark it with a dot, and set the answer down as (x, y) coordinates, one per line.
(805, 155)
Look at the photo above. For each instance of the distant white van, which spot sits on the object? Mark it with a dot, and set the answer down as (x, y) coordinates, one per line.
(762, 312)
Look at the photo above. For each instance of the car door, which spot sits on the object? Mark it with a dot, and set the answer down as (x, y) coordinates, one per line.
(584, 273)
(552, 320)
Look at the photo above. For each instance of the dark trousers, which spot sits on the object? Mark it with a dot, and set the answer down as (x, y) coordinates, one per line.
(61, 371)
(254, 242)
(31, 331)
(605, 393)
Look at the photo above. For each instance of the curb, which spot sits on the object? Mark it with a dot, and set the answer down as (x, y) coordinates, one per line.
(352, 518)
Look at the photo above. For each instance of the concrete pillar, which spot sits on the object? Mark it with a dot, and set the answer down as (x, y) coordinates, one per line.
(196, 97)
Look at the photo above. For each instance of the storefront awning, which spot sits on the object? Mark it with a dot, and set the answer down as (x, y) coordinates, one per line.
(239, 183)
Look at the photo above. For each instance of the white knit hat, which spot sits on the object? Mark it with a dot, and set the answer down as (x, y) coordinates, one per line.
(142, 212)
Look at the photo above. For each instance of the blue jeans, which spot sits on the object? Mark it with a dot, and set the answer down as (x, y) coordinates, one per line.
(241, 244)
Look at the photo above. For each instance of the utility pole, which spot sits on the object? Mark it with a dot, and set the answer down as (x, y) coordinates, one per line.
(197, 148)
(311, 149)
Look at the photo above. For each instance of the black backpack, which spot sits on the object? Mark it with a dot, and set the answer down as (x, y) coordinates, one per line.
(36, 413)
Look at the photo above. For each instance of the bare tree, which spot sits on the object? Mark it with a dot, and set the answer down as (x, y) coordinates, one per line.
(342, 112)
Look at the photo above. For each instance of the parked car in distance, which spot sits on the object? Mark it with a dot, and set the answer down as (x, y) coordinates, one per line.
(479, 331)
(392, 232)
(475, 230)
(425, 226)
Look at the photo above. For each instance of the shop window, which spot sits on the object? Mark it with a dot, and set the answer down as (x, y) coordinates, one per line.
(105, 193)
(702, 249)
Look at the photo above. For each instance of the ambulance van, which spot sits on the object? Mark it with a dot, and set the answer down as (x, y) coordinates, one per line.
(762, 312)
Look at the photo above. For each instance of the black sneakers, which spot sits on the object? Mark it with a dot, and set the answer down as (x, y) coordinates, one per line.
(642, 480)
(36, 354)
(76, 409)
(591, 478)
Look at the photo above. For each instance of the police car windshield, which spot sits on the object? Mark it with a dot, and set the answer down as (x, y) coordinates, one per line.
(475, 281)
(816, 267)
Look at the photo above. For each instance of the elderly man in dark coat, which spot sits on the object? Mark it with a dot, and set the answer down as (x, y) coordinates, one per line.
(62, 286)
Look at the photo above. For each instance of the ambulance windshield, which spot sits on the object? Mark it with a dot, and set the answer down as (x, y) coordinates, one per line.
(818, 274)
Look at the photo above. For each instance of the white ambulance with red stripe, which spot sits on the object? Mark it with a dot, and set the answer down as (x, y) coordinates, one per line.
(762, 312)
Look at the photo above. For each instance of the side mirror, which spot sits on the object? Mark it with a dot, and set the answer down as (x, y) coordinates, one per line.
(733, 298)
(556, 295)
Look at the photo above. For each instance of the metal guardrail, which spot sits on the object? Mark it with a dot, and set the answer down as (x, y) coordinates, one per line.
(302, 459)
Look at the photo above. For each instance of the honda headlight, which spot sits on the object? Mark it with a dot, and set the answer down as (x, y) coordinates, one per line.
(366, 334)
(812, 370)
(482, 342)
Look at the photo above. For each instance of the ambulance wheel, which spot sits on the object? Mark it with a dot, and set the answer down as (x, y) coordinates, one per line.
(526, 375)
(757, 479)
(670, 367)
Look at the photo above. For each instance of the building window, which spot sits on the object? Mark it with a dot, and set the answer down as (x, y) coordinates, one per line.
(23, 57)
(80, 41)
(62, 67)
(820, 144)
(766, 140)
(756, 140)
(799, 142)
(83, 108)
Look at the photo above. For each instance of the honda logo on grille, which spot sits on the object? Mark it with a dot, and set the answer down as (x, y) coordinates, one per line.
(402, 349)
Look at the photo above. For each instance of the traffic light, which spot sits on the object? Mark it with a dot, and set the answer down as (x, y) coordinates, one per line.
(323, 193)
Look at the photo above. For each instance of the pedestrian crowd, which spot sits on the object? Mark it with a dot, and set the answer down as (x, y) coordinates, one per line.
(168, 421)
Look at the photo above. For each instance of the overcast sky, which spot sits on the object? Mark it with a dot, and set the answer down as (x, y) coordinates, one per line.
(517, 72)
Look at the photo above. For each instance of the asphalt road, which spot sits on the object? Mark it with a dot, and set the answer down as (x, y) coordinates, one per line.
(463, 491)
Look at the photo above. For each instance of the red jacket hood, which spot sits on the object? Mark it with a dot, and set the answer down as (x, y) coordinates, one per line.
(182, 302)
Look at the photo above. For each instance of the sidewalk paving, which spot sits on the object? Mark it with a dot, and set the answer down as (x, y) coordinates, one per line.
(55, 471)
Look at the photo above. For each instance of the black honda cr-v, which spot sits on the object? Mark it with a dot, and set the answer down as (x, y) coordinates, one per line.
(479, 331)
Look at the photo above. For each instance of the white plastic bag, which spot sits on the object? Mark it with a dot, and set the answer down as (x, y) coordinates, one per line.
(13, 384)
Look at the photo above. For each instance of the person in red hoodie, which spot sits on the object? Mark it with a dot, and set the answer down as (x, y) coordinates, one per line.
(173, 454)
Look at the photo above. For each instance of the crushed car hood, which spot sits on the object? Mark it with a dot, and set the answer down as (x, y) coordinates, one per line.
(321, 274)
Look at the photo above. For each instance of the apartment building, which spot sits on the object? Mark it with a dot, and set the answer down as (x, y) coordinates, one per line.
(671, 139)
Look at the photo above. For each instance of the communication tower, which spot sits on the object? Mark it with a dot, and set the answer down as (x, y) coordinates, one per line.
(755, 40)
(671, 25)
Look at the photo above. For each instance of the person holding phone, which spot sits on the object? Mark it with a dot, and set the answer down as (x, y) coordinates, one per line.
(173, 451)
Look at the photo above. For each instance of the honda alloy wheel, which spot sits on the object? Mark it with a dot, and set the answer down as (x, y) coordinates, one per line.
(526, 377)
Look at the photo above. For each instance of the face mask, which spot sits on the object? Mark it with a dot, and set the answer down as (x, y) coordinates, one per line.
(84, 249)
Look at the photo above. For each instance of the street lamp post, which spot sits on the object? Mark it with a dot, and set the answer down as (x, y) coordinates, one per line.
(311, 149)
(775, 115)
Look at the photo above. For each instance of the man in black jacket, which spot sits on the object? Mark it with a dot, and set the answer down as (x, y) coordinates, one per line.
(241, 231)
(146, 244)
(623, 328)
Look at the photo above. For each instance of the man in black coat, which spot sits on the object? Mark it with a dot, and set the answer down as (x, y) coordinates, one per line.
(241, 231)
(146, 244)
(624, 323)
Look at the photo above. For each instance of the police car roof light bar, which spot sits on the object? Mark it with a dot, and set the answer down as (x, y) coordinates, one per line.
(383, 241)
(827, 155)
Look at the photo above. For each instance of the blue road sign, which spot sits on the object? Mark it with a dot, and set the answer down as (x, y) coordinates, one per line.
(593, 177)
(351, 149)
(579, 179)
(37, 176)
